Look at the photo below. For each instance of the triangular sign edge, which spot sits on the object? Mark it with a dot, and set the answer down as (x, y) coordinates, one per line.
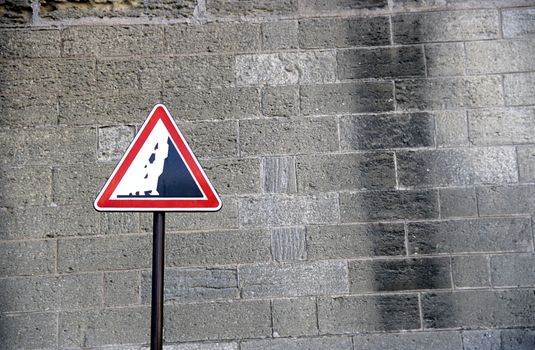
(103, 201)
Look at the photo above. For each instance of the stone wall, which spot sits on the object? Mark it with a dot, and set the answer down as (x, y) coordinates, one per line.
(376, 161)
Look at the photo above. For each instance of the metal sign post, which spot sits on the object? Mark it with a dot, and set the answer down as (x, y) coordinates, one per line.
(158, 173)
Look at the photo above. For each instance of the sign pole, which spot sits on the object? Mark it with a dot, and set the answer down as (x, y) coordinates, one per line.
(158, 256)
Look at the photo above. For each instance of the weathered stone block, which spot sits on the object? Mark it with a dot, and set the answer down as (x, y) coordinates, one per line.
(218, 321)
(282, 210)
(294, 317)
(475, 235)
(366, 132)
(332, 343)
(519, 89)
(28, 111)
(99, 327)
(451, 128)
(502, 126)
(193, 72)
(117, 223)
(280, 35)
(251, 8)
(444, 59)
(458, 202)
(499, 56)
(328, 33)
(29, 77)
(454, 167)
(296, 279)
(218, 248)
(27, 258)
(215, 103)
(79, 184)
(470, 271)
(288, 136)
(500, 200)
(388, 205)
(506, 339)
(29, 331)
(471, 309)
(193, 285)
(280, 101)
(376, 313)
(445, 26)
(278, 175)
(354, 241)
(409, 5)
(397, 275)
(213, 37)
(19, 186)
(526, 163)
(171, 8)
(448, 340)
(15, 12)
(345, 172)
(118, 74)
(104, 253)
(207, 144)
(449, 93)
(121, 288)
(322, 6)
(288, 244)
(113, 142)
(29, 43)
(404, 61)
(286, 68)
(347, 98)
(518, 22)
(512, 270)
(233, 176)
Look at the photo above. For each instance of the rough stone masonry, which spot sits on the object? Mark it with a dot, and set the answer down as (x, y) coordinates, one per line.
(376, 161)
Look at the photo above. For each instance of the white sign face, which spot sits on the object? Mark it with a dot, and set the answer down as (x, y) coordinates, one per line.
(158, 173)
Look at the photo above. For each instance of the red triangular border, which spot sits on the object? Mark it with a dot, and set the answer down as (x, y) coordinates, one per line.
(211, 202)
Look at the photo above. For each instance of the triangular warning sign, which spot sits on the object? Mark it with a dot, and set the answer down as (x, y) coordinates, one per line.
(158, 172)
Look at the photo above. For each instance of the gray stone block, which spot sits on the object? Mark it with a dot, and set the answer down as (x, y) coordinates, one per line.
(448, 340)
(218, 321)
(502, 126)
(470, 271)
(332, 343)
(171, 8)
(288, 136)
(25, 186)
(233, 175)
(199, 346)
(360, 97)
(288, 244)
(458, 202)
(519, 89)
(121, 288)
(512, 270)
(345, 172)
(286, 68)
(107, 41)
(193, 285)
(322, 6)
(104, 253)
(117, 223)
(29, 331)
(296, 279)
(47, 146)
(366, 132)
(79, 184)
(206, 144)
(28, 111)
(294, 317)
(282, 210)
(449, 93)
(107, 108)
(445, 26)
(500, 200)
(470, 309)
(27, 258)
(278, 175)
(100, 327)
(60, 10)
(218, 248)
(213, 37)
(451, 128)
(344, 32)
(486, 57)
(29, 43)
(518, 22)
(376, 313)
(193, 71)
(118, 74)
(457, 167)
(280, 101)
(403, 61)
(251, 8)
(475, 235)
(225, 218)
(526, 163)
(444, 59)
(280, 35)
(398, 275)
(500, 339)
(388, 205)
(408, 5)
(45, 293)
(354, 241)
(214, 103)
